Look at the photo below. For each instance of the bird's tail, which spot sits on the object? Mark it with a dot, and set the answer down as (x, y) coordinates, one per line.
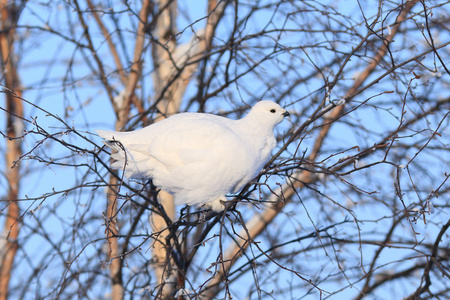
(124, 159)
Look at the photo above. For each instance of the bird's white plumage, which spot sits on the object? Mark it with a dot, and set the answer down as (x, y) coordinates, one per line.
(199, 158)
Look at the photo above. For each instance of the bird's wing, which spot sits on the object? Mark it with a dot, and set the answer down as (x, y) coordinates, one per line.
(198, 141)
(188, 140)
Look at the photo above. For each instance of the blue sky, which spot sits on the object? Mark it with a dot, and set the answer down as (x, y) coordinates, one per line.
(83, 104)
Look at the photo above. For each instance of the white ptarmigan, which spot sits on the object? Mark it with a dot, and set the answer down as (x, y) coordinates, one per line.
(198, 157)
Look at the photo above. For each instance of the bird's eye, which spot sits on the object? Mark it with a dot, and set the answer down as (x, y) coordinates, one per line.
(272, 110)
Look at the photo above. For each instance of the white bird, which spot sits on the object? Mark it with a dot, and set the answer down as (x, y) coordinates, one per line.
(198, 157)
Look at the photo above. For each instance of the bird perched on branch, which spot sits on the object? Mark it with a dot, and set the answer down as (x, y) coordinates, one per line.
(198, 157)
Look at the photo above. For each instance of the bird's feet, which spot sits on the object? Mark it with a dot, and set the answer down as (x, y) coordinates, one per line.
(217, 205)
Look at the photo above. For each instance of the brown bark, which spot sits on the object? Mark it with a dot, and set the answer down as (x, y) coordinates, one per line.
(14, 125)
(114, 247)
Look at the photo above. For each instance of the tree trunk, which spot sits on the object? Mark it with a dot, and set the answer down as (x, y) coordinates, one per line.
(11, 229)
(173, 74)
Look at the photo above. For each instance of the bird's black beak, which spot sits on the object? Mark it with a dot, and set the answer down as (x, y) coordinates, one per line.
(286, 114)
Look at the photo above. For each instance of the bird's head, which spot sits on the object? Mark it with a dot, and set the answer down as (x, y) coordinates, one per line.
(268, 112)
